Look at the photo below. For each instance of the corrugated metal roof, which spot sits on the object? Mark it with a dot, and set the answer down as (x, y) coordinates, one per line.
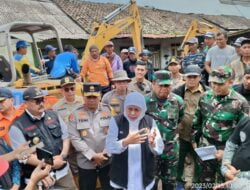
(41, 11)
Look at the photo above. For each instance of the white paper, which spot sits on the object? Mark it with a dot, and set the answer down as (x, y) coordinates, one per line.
(63, 172)
(206, 153)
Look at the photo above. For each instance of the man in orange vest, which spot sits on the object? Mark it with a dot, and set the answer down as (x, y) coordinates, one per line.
(8, 113)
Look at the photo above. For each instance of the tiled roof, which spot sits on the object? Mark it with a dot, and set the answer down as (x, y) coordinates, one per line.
(156, 23)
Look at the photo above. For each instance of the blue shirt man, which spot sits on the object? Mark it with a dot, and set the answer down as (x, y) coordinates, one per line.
(65, 62)
(193, 57)
(49, 58)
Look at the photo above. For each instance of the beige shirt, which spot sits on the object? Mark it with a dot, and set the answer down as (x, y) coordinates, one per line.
(238, 68)
(113, 100)
(178, 81)
(191, 100)
(64, 108)
(146, 86)
(88, 131)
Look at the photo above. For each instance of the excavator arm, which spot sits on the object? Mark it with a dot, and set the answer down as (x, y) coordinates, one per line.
(196, 28)
(105, 31)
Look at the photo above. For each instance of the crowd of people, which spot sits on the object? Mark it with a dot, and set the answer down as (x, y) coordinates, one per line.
(133, 128)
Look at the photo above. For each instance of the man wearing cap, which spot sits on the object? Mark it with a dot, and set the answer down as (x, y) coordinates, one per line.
(88, 127)
(219, 110)
(124, 54)
(173, 65)
(129, 65)
(193, 57)
(190, 91)
(97, 69)
(244, 87)
(39, 125)
(240, 65)
(64, 107)
(237, 45)
(20, 59)
(144, 57)
(65, 64)
(139, 83)
(114, 60)
(49, 58)
(8, 113)
(115, 98)
(219, 55)
(167, 109)
(209, 40)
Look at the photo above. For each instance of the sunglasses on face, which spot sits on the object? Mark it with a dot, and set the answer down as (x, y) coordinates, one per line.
(38, 101)
(67, 89)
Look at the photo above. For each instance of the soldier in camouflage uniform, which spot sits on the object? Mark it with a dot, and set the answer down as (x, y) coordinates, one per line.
(167, 109)
(218, 112)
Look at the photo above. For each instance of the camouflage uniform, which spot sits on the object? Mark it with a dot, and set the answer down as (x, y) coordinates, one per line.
(215, 120)
(167, 115)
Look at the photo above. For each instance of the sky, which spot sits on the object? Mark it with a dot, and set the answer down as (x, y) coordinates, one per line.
(212, 7)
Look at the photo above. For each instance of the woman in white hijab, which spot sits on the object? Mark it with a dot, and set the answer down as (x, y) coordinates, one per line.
(133, 140)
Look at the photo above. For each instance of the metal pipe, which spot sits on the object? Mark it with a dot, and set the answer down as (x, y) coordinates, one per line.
(115, 13)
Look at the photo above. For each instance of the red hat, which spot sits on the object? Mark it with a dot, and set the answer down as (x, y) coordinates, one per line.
(4, 166)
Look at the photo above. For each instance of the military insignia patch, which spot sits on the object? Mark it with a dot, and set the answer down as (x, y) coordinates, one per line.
(92, 89)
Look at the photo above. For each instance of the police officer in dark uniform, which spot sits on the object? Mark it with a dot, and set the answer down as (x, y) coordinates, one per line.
(39, 125)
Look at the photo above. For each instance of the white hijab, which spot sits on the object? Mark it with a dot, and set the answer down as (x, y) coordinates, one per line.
(135, 99)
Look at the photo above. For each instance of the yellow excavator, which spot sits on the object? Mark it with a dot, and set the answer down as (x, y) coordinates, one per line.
(105, 30)
(197, 28)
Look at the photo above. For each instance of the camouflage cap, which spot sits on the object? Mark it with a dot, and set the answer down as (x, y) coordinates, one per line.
(220, 75)
(162, 77)
(173, 60)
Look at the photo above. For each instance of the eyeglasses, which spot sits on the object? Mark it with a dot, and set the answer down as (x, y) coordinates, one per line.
(69, 89)
(38, 101)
